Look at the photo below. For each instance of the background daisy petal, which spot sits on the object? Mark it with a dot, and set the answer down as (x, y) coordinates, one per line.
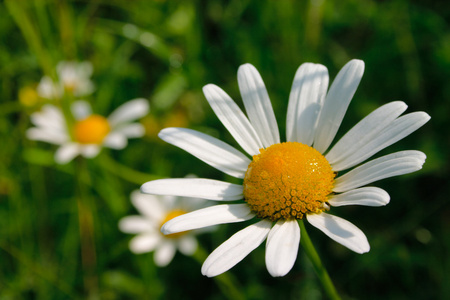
(46, 135)
(213, 215)
(129, 111)
(81, 109)
(164, 253)
(194, 187)
(235, 248)
(257, 104)
(90, 150)
(233, 119)
(336, 103)
(143, 243)
(305, 102)
(136, 224)
(133, 130)
(367, 196)
(115, 140)
(152, 206)
(212, 151)
(340, 230)
(282, 247)
(66, 153)
(394, 164)
(187, 244)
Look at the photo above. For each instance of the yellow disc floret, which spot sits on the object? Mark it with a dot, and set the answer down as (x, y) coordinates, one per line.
(287, 181)
(170, 215)
(91, 130)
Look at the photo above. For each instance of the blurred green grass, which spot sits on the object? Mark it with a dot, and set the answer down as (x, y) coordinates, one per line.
(166, 51)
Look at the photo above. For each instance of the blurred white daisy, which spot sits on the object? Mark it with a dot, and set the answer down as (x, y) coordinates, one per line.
(73, 77)
(295, 180)
(155, 211)
(90, 131)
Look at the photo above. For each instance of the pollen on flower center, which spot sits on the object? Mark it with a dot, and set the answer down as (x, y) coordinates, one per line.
(172, 214)
(91, 130)
(287, 181)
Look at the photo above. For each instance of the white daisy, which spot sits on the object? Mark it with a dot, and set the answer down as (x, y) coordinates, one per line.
(90, 132)
(155, 211)
(295, 180)
(73, 77)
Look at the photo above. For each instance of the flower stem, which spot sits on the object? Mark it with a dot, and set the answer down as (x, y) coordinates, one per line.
(317, 263)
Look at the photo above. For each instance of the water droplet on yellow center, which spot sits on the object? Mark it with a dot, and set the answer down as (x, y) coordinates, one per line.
(287, 181)
(173, 214)
(91, 130)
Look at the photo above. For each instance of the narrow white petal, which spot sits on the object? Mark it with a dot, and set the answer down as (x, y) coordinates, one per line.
(233, 119)
(90, 150)
(336, 102)
(187, 244)
(233, 250)
(47, 135)
(305, 102)
(396, 131)
(151, 206)
(135, 224)
(364, 132)
(129, 111)
(115, 140)
(143, 243)
(394, 164)
(81, 109)
(164, 253)
(367, 196)
(213, 215)
(340, 230)
(208, 149)
(133, 130)
(194, 187)
(67, 152)
(282, 247)
(257, 104)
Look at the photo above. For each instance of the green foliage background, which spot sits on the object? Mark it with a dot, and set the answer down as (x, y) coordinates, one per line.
(166, 51)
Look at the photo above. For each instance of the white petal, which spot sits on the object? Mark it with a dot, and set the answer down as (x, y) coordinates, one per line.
(305, 102)
(81, 109)
(145, 242)
(339, 96)
(151, 206)
(194, 187)
(397, 130)
(233, 119)
(136, 224)
(67, 152)
(364, 132)
(48, 89)
(340, 230)
(129, 111)
(90, 151)
(236, 248)
(50, 118)
(213, 215)
(394, 164)
(46, 135)
(282, 247)
(133, 130)
(208, 149)
(164, 253)
(367, 196)
(187, 244)
(257, 104)
(115, 140)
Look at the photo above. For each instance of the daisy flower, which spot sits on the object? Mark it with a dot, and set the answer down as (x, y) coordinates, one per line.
(73, 77)
(90, 132)
(155, 211)
(294, 180)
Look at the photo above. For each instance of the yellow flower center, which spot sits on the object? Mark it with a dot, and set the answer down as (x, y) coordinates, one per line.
(287, 181)
(91, 130)
(172, 214)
